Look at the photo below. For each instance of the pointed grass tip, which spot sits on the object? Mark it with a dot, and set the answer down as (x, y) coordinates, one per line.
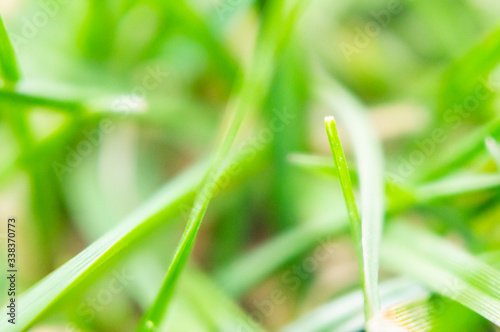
(329, 119)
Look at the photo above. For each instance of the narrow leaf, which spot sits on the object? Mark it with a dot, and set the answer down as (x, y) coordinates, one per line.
(8, 63)
(370, 165)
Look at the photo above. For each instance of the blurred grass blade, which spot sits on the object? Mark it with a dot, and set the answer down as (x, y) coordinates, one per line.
(248, 98)
(494, 149)
(370, 165)
(226, 316)
(459, 154)
(433, 314)
(444, 268)
(320, 165)
(8, 63)
(466, 76)
(27, 100)
(248, 270)
(456, 185)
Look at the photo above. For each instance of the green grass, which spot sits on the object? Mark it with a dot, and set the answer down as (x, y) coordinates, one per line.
(216, 193)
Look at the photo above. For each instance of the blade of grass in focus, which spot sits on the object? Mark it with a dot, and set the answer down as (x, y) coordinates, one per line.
(276, 29)
(370, 296)
(370, 165)
(444, 268)
(8, 63)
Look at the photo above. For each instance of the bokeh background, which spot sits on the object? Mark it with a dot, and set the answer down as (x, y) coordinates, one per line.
(119, 97)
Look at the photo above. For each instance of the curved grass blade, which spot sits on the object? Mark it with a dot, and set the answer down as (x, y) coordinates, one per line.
(249, 98)
(444, 268)
(370, 165)
(8, 63)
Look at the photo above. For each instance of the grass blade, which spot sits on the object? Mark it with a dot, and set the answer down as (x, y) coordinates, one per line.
(369, 157)
(370, 297)
(8, 63)
(456, 185)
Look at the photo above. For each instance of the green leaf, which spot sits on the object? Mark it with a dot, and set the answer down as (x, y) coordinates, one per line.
(444, 268)
(8, 63)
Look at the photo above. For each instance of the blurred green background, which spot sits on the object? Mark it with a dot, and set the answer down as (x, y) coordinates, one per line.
(118, 98)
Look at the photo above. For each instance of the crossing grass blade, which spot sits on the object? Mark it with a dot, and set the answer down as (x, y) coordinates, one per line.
(370, 164)
(446, 269)
(8, 62)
